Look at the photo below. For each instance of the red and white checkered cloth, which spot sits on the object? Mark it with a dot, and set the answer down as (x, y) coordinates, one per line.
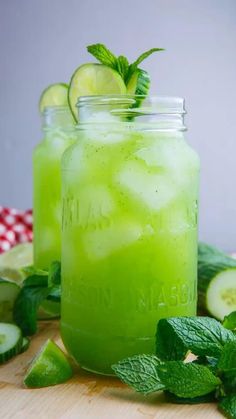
(15, 227)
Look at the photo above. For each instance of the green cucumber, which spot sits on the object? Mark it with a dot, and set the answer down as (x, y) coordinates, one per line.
(8, 293)
(139, 83)
(216, 282)
(10, 341)
(25, 344)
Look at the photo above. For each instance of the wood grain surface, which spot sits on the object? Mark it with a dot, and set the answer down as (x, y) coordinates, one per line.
(84, 396)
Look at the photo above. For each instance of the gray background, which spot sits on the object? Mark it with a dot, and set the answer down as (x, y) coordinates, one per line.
(43, 41)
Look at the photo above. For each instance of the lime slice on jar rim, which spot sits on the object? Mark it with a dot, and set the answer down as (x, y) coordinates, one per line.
(94, 79)
(54, 95)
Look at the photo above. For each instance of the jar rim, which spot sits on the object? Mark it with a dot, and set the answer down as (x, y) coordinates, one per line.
(139, 103)
(55, 110)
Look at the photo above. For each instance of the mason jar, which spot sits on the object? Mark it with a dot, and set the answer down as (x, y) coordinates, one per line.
(59, 133)
(129, 235)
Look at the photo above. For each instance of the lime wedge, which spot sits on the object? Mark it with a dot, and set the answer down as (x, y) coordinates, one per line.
(94, 79)
(49, 367)
(54, 95)
(12, 262)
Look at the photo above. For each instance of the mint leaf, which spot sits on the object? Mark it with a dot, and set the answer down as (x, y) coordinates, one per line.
(229, 382)
(145, 55)
(31, 270)
(103, 54)
(26, 307)
(169, 346)
(206, 398)
(209, 362)
(187, 380)
(54, 274)
(36, 281)
(229, 321)
(140, 372)
(227, 361)
(35, 289)
(141, 58)
(55, 294)
(228, 405)
(122, 66)
(201, 335)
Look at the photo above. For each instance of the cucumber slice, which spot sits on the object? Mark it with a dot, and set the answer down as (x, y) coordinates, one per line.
(50, 367)
(54, 95)
(25, 344)
(139, 83)
(94, 79)
(8, 294)
(216, 282)
(10, 341)
(221, 294)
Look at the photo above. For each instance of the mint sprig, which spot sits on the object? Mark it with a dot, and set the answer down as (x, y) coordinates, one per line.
(228, 405)
(121, 63)
(227, 361)
(200, 335)
(229, 321)
(36, 289)
(187, 379)
(140, 372)
(103, 54)
(122, 66)
(209, 377)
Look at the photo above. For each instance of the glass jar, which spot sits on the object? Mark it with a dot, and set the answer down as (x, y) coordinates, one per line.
(59, 132)
(129, 235)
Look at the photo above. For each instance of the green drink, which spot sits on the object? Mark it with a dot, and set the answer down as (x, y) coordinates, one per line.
(59, 133)
(129, 239)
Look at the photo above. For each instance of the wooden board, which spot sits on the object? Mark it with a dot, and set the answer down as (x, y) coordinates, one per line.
(84, 396)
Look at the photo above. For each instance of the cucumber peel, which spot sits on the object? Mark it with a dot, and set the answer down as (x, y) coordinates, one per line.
(8, 293)
(25, 344)
(139, 83)
(10, 341)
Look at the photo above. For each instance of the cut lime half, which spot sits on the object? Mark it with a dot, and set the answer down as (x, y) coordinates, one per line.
(12, 261)
(49, 367)
(94, 79)
(54, 95)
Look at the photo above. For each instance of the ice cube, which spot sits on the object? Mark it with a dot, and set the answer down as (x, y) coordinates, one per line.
(95, 206)
(106, 136)
(102, 243)
(155, 191)
(170, 155)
